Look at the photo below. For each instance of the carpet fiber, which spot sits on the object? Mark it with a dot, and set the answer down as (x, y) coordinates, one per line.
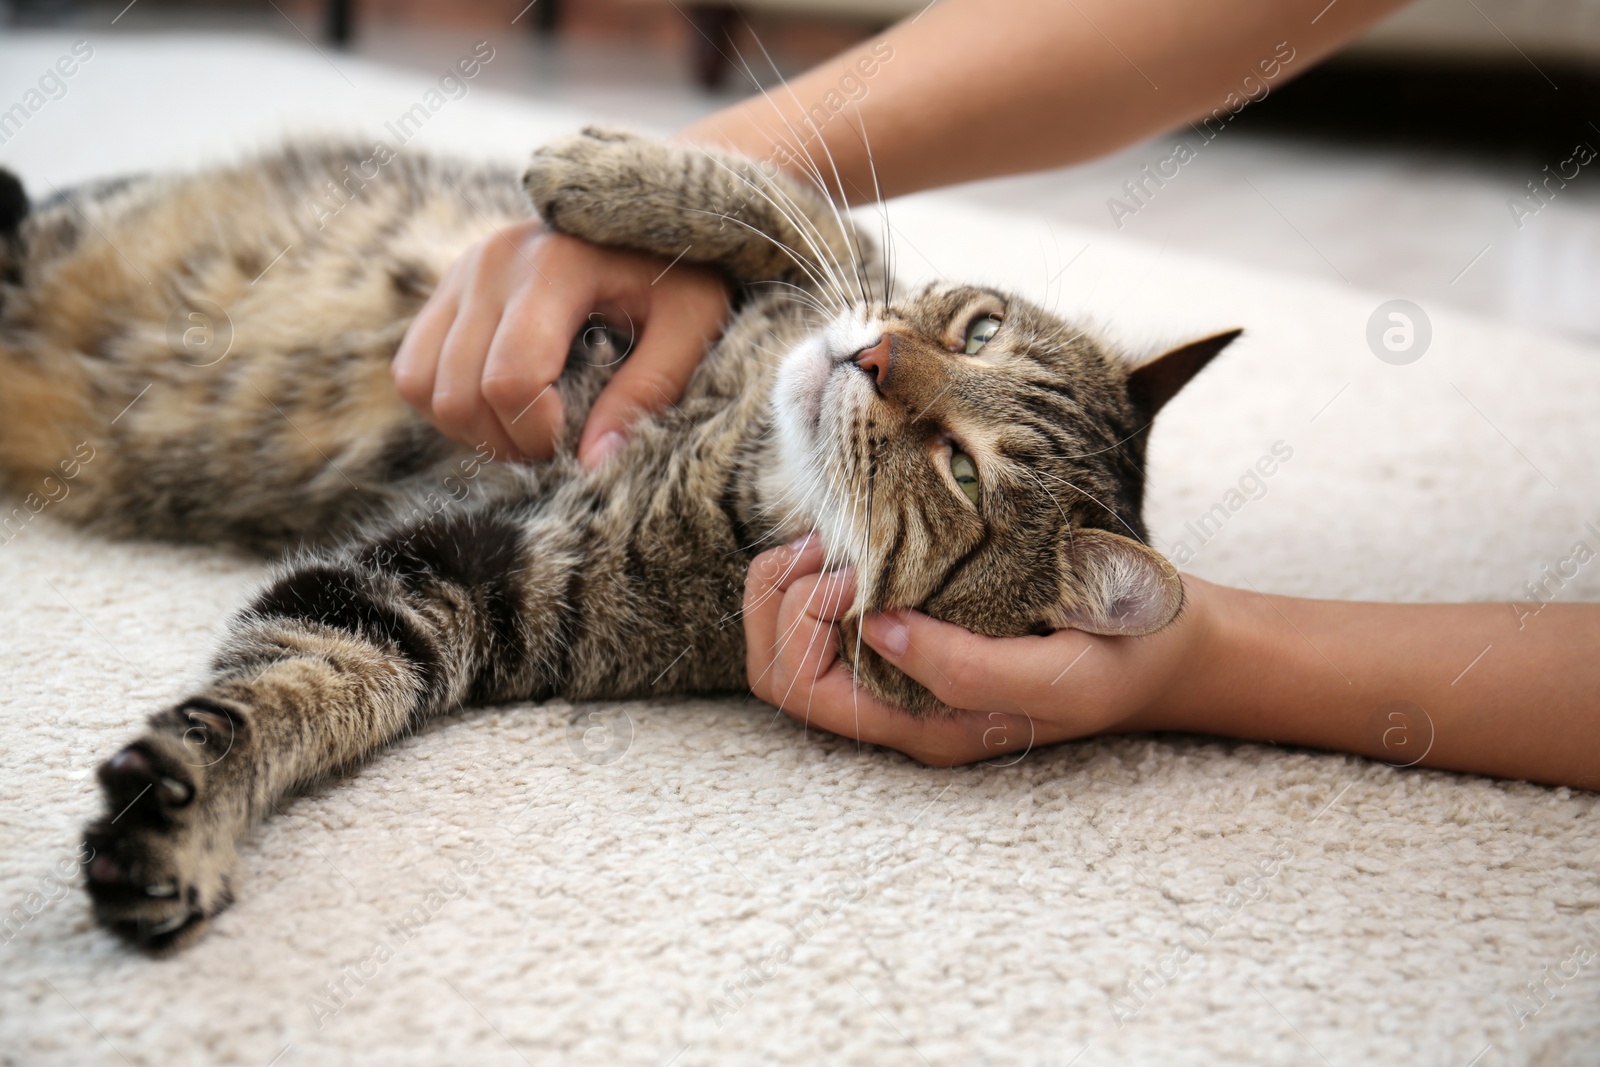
(702, 881)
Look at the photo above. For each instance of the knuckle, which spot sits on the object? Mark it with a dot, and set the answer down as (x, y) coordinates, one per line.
(507, 390)
(766, 569)
(962, 671)
(781, 687)
(454, 409)
(758, 678)
(414, 388)
(650, 387)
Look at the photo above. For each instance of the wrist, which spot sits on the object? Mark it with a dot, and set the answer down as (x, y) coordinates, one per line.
(731, 130)
(1215, 636)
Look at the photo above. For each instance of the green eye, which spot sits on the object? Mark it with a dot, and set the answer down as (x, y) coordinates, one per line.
(979, 332)
(966, 474)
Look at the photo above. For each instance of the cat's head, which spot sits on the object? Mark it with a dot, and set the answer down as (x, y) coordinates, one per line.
(978, 459)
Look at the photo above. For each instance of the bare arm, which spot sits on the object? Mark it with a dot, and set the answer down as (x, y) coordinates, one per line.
(968, 89)
(1501, 689)
(979, 88)
(1493, 689)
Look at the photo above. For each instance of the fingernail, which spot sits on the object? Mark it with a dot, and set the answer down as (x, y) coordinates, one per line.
(606, 445)
(803, 543)
(888, 634)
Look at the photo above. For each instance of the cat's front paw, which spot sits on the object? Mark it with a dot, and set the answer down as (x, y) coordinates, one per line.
(580, 184)
(163, 860)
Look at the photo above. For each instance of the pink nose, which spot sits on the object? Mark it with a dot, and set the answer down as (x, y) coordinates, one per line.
(875, 360)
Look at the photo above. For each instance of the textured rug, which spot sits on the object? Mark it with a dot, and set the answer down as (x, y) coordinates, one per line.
(701, 881)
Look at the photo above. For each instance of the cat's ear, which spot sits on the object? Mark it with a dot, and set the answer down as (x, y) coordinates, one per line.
(1158, 381)
(1116, 586)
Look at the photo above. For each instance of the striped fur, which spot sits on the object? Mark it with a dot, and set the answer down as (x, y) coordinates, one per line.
(221, 341)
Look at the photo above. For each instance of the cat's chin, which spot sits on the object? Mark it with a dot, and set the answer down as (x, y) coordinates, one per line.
(801, 389)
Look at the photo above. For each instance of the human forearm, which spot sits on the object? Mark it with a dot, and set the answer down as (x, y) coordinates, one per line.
(979, 88)
(1488, 688)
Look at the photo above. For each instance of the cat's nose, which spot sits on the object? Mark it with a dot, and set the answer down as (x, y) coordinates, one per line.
(876, 360)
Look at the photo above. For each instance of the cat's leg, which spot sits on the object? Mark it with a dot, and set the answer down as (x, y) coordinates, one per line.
(344, 652)
(702, 205)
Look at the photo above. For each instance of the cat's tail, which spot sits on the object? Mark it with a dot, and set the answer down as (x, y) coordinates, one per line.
(13, 209)
(699, 205)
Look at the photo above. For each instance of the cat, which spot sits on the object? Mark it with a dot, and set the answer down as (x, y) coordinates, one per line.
(221, 346)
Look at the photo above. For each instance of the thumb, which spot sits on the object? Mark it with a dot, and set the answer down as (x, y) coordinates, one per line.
(964, 669)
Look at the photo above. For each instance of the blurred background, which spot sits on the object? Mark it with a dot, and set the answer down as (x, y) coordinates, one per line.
(1397, 166)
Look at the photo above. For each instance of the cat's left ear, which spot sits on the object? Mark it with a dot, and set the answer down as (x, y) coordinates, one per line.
(1116, 586)
(1158, 381)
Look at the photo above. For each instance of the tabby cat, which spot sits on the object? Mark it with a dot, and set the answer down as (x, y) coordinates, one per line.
(210, 355)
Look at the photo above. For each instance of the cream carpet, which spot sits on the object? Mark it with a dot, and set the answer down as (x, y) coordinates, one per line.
(703, 882)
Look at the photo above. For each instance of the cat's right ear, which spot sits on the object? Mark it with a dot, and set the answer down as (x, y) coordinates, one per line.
(1115, 586)
(1158, 381)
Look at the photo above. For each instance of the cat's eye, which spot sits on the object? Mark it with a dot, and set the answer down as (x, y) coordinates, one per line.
(965, 473)
(979, 332)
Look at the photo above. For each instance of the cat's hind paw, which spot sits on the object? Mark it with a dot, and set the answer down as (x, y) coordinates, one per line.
(161, 863)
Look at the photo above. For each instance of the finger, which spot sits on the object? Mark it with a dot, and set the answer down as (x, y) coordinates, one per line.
(807, 641)
(837, 704)
(526, 356)
(973, 672)
(458, 406)
(808, 681)
(677, 332)
(417, 361)
(770, 575)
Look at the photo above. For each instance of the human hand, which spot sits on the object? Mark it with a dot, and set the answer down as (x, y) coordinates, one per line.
(1017, 692)
(481, 356)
